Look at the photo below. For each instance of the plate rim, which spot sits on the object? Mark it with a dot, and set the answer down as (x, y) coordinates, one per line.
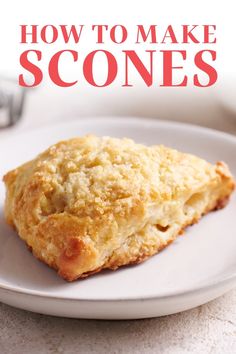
(218, 282)
(114, 119)
(169, 295)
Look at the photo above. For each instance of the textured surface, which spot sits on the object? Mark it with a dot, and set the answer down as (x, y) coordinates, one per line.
(91, 203)
(210, 328)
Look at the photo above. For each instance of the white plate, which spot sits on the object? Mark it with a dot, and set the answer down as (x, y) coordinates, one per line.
(196, 268)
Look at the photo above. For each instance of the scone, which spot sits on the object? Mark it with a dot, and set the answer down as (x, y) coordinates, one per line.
(92, 203)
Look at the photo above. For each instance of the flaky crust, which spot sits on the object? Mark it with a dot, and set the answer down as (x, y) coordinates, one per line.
(92, 203)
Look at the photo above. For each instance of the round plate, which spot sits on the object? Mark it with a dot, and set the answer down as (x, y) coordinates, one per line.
(196, 268)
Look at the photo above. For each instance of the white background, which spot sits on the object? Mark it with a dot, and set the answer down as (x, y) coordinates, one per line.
(48, 102)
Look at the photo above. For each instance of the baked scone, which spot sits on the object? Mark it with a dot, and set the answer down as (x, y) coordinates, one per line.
(92, 203)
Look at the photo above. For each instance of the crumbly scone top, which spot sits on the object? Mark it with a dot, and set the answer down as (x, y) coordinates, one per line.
(96, 177)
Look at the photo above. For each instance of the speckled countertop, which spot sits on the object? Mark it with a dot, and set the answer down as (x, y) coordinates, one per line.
(210, 328)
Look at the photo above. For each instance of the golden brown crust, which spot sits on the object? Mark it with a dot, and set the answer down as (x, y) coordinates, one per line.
(92, 203)
(142, 258)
